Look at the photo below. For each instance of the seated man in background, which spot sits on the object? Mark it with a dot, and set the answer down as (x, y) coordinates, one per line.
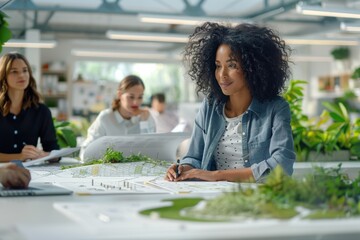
(13, 176)
(165, 120)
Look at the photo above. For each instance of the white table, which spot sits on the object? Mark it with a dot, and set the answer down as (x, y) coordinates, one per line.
(351, 168)
(37, 218)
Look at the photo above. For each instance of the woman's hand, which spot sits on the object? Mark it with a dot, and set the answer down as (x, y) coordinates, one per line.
(144, 114)
(175, 171)
(14, 176)
(31, 152)
(198, 174)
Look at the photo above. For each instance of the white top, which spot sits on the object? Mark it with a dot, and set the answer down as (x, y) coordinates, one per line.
(111, 123)
(165, 122)
(228, 153)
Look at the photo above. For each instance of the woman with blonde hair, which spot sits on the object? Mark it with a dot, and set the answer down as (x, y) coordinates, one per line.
(23, 118)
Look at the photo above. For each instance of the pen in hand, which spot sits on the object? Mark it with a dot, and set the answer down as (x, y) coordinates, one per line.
(177, 168)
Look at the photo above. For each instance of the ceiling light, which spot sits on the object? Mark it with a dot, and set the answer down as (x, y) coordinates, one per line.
(184, 20)
(28, 44)
(327, 12)
(127, 55)
(269, 14)
(350, 27)
(145, 36)
(308, 41)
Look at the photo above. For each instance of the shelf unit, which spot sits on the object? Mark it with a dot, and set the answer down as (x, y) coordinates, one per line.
(54, 89)
(331, 86)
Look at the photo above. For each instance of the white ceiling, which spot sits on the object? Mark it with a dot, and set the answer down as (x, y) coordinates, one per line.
(85, 22)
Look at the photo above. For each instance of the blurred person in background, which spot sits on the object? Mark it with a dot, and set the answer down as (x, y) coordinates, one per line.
(126, 116)
(165, 120)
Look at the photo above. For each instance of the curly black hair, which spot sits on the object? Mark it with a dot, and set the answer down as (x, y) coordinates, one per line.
(261, 53)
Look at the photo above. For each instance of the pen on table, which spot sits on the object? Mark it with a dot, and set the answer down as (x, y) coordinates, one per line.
(177, 168)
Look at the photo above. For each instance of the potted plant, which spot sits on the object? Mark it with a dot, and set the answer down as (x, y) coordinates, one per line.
(330, 137)
(340, 53)
(341, 56)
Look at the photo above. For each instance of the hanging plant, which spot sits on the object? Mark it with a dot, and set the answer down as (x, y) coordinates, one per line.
(5, 33)
(340, 53)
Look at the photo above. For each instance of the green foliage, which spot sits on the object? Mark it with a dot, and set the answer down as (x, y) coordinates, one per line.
(340, 53)
(330, 132)
(327, 193)
(346, 134)
(347, 100)
(356, 73)
(80, 127)
(294, 96)
(326, 190)
(113, 156)
(174, 211)
(5, 33)
(64, 134)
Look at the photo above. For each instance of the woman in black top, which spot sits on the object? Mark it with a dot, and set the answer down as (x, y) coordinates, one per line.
(23, 119)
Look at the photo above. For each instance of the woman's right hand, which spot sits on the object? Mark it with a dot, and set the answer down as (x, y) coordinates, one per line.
(14, 176)
(172, 175)
(31, 152)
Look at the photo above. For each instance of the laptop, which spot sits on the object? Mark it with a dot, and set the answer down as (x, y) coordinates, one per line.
(35, 189)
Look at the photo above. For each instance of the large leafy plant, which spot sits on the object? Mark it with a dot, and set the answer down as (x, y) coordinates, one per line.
(64, 133)
(330, 132)
(294, 96)
(347, 133)
(5, 33)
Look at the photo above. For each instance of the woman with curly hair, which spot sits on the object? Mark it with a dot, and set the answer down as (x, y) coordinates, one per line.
(23, 118)
(242, 130)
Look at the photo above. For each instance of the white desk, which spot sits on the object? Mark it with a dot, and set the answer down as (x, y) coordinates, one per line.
(351, 168)
(36, 218)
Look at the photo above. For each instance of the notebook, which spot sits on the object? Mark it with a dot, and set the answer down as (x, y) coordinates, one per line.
(35, 189)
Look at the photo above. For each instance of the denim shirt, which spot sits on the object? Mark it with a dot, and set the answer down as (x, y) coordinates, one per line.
(267, 137)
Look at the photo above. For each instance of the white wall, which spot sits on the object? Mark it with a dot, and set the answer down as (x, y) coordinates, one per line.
(310, 71)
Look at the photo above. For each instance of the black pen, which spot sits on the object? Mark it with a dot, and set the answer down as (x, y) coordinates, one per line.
(177, 168)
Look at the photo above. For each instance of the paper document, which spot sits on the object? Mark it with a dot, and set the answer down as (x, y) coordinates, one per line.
(53, 154)
(162, 146)
(194, 186)
(107, 186)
